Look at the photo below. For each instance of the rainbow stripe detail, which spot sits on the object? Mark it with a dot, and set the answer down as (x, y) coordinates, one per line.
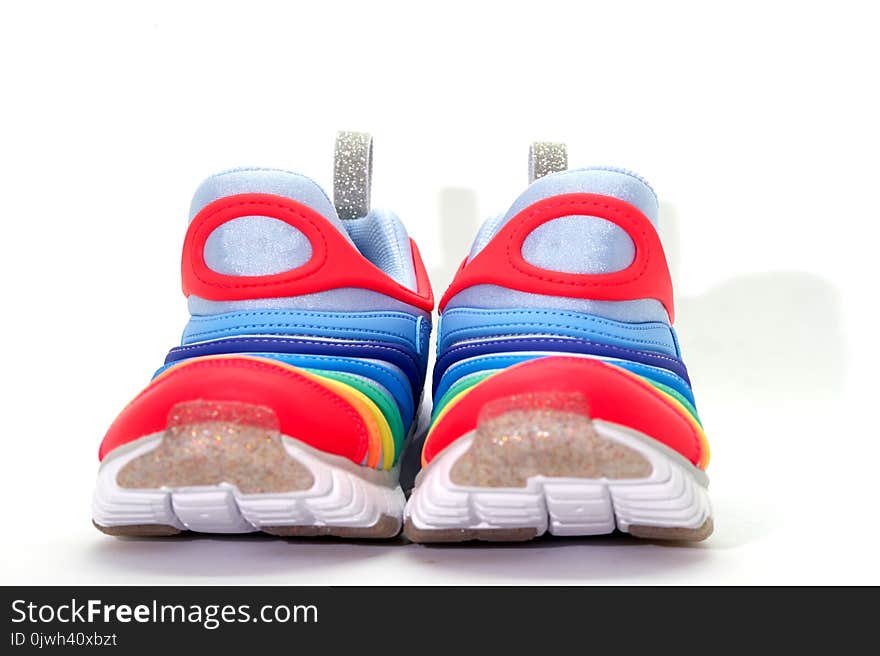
(475, 345)
(684, 407)
(375, 406)
(375, 361)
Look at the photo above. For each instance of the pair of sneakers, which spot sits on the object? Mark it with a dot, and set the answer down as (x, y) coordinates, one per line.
(560, 400)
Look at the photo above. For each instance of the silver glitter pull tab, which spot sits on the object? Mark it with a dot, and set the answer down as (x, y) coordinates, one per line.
(352, 170)
(546, 157)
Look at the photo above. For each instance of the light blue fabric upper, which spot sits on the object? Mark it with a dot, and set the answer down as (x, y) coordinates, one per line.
(383, 240)
(256, 246)
(601, 246)
(606, 181)
(257, 180)
(496, 297)
(460, 324)
(394, 327)
(352, 299)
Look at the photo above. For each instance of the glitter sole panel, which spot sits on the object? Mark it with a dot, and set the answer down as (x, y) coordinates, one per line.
(343, 499)
(634, 485)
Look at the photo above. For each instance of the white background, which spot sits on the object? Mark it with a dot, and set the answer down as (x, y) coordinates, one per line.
(757, 125)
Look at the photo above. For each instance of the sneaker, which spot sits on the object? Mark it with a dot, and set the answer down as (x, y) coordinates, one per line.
(296, 383)
(561, 403)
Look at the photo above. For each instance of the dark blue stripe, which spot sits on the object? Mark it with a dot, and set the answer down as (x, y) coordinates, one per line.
(554, 344)
(393, 354)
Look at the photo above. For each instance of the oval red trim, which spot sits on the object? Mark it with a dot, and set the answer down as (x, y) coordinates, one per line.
(334, 264)
(501, 261)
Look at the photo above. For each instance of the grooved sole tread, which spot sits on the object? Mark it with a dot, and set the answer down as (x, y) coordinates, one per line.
(415, 534)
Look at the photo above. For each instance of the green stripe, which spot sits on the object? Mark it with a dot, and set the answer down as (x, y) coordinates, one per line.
(387, 405)
(459, 386)
(677, 396)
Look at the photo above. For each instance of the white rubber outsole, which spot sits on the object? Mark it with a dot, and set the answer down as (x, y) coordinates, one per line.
(345, 500)
(671, 503)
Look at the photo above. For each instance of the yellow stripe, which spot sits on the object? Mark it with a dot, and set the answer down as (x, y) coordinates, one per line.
(452, 402)
(455, 399)
(701, 435)
(365, 404)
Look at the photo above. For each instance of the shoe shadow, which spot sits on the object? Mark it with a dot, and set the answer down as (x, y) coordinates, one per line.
(569, 559)
(459, 221)
(761, 337)
(248, 555)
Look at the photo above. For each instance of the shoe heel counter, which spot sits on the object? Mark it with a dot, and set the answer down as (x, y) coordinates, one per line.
(511, 260)
(332, 262)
